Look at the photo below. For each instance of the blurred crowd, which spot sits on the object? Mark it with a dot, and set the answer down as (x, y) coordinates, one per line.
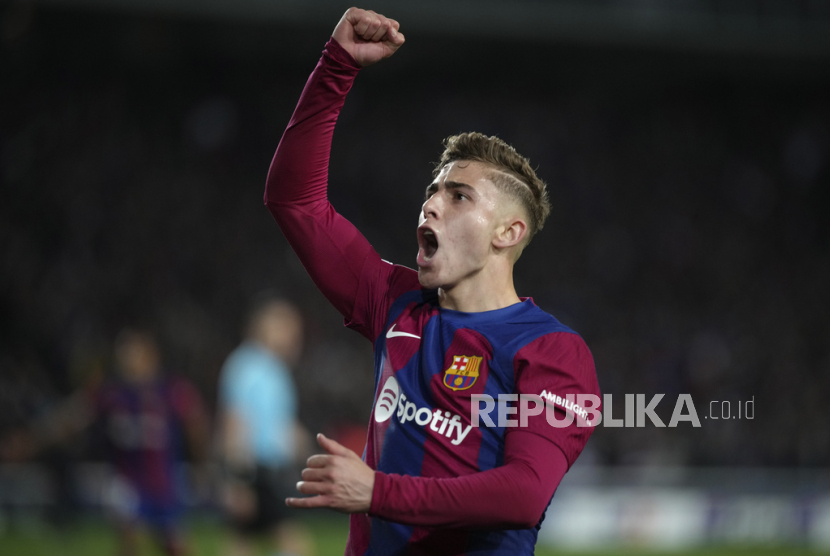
(688, 242)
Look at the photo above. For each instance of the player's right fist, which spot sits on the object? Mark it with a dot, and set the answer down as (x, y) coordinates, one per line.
(368, 36)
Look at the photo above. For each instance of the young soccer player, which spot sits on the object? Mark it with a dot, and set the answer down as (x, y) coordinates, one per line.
(429, 482)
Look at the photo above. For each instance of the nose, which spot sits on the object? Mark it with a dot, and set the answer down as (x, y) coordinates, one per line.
(431, 207)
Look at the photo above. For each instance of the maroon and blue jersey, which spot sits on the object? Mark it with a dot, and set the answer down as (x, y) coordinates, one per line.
(442, 485)
(144, 426)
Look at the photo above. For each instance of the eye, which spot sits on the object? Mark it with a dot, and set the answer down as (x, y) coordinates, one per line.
(460, 197)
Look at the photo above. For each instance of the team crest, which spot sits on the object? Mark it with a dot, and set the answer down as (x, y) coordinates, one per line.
(463, 372)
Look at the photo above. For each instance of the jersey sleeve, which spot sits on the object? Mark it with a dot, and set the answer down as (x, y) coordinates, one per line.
(512, 496)
(558, 371)
(339, 259)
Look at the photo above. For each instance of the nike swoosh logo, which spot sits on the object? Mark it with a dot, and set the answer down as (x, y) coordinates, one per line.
(393, 334)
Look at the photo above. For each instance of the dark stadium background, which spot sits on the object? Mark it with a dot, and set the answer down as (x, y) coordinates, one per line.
(687, 151)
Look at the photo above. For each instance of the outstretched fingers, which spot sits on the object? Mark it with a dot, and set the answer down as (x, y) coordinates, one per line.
(319, 460)
(338, 479)
(309, 503)
(315, 474)
(314, 487)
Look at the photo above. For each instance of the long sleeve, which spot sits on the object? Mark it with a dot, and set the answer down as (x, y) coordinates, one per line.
(513, 496)
(330, 247)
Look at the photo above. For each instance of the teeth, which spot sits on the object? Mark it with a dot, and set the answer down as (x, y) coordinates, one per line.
(428, 233)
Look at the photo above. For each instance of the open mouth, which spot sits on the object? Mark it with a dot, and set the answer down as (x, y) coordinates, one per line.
(428, 242)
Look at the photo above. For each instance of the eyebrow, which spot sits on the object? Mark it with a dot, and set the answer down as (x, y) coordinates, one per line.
(457, 185)
(433, 187)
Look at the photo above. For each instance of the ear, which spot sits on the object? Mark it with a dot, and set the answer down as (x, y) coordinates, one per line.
(511, 233)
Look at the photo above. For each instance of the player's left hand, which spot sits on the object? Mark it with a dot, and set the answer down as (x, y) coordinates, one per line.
(338, 480)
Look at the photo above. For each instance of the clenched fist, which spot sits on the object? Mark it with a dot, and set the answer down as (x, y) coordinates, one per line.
(368, 36)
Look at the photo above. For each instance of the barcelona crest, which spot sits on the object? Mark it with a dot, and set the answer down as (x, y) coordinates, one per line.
(463, 372)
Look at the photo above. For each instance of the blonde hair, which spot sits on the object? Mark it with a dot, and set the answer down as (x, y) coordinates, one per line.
(512, 173)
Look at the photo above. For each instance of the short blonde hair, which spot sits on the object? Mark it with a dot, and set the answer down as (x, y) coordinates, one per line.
(512, 173)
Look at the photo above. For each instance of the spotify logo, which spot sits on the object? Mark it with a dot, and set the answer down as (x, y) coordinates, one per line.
(388, 400)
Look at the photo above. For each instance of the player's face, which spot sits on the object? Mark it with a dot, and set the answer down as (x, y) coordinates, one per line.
(138, 359)
(280, 328)
(456, 226)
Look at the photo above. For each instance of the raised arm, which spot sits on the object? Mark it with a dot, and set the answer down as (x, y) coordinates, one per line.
(331, 249)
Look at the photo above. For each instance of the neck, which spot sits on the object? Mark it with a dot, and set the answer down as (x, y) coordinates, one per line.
(479, 293)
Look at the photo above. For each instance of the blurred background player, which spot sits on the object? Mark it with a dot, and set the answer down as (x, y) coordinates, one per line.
(261, 440)
(145, 417)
